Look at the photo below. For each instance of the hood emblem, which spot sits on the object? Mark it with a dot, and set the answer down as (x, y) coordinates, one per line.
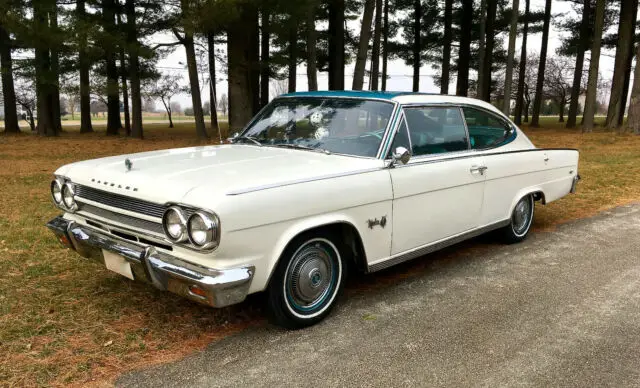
(128, 164)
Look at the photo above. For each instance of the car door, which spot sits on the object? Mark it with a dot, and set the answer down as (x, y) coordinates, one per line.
(507, 173)
(439, 192)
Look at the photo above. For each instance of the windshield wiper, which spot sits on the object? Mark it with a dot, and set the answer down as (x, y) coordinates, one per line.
(302, 147)
(251, 139)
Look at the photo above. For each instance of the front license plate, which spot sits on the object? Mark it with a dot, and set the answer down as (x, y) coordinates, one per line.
(118, 264)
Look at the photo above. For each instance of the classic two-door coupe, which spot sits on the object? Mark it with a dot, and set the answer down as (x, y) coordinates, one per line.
(316, 183)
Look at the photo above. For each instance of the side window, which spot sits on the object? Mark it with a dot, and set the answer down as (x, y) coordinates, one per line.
(485, 130)
(401, 139)
(436, 130)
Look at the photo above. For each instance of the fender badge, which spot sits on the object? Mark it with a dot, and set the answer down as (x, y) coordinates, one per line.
(128, 164)
(382, 222)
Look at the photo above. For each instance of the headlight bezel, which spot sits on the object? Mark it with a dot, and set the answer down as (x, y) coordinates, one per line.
(187, 211)
(211, 229)
(56, 183)
(68, 187)
(184, 236)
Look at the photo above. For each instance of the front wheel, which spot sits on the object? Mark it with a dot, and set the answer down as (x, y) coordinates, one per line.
(307, 280)
(521, 220)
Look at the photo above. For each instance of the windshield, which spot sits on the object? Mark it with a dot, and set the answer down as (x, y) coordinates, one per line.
(336, 125)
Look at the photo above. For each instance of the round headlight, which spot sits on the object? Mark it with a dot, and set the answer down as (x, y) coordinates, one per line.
(174, 224)
(68, 193)
(203, 230)
(56, 192)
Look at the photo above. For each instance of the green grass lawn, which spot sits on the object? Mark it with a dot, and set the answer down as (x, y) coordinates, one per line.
(65, 320)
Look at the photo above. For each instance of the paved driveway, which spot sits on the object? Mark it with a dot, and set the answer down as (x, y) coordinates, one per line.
(560, 309)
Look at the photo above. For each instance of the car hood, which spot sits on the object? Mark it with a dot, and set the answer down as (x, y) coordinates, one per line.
(168, 175)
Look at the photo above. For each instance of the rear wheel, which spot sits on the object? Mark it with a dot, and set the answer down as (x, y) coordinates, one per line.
(307, 280)
(521, 220)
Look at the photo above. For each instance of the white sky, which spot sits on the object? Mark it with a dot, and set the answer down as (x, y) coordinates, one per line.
(401, 74)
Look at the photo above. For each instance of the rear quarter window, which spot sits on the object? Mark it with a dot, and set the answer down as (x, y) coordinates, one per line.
(485, 129)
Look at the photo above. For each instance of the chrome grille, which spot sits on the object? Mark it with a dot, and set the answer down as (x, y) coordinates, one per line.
(120, 201)
(130, 222)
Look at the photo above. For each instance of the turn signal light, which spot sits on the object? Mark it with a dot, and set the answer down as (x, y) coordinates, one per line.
(197, 291)
(64, 240)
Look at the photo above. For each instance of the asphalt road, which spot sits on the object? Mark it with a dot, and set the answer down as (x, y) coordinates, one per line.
(560, 309)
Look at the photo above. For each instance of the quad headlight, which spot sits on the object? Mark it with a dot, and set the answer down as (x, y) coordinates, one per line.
(63, 195)
(201, 229)
(56, 191)
(68, 197)
(174, 224)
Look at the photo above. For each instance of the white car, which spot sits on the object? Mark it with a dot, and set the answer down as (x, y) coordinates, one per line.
(316, 183)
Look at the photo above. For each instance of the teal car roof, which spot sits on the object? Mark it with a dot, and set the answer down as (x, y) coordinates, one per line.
(352, 94)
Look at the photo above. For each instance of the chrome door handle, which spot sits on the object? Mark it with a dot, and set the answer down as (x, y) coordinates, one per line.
(546, 157)
(480, 169)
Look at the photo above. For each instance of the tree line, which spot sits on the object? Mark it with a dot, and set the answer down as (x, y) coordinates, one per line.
(108, 49)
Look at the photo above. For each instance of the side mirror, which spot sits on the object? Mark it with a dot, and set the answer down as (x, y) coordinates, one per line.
(402, 155)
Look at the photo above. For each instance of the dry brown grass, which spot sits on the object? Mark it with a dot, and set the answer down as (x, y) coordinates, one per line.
(66, 321)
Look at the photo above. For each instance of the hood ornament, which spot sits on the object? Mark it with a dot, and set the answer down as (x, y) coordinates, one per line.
(128, 164)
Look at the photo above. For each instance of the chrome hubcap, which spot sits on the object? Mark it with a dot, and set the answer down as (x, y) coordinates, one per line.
(521, 216)
(310, 276)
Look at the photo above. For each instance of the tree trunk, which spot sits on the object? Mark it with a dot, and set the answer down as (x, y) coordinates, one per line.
(194, 83)
(375, 52)
(527, 106)
(523, 65)
(113, 93)
(264, 57)
(627, 78)
(134, 71)
(42, 61)
(508, 78)
(32, 123)
(254, 58)
(336, 44)
(292, 59)
(55, 68)
(417, 45)
(125, 94)
(385, 46)
(577, 74)
(8, 91)
(446, 47)
(488, 49)
(561, 107)
(123, 80)
(167, 108)
(83, 65)
(481, 49)
(363, 46)
(633, 122)
(462, 87)
(626, 35)
(312, 56)
(592, 84)
(213, 95)
(239, 66)
(537, 100)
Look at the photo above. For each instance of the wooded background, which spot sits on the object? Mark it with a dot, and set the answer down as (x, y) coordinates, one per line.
(60, 56)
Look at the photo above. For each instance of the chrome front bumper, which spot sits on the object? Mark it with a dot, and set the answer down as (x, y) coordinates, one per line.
(213, 287)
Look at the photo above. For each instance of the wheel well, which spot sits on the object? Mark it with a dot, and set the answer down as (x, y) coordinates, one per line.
(349, 236)
(539, 196)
